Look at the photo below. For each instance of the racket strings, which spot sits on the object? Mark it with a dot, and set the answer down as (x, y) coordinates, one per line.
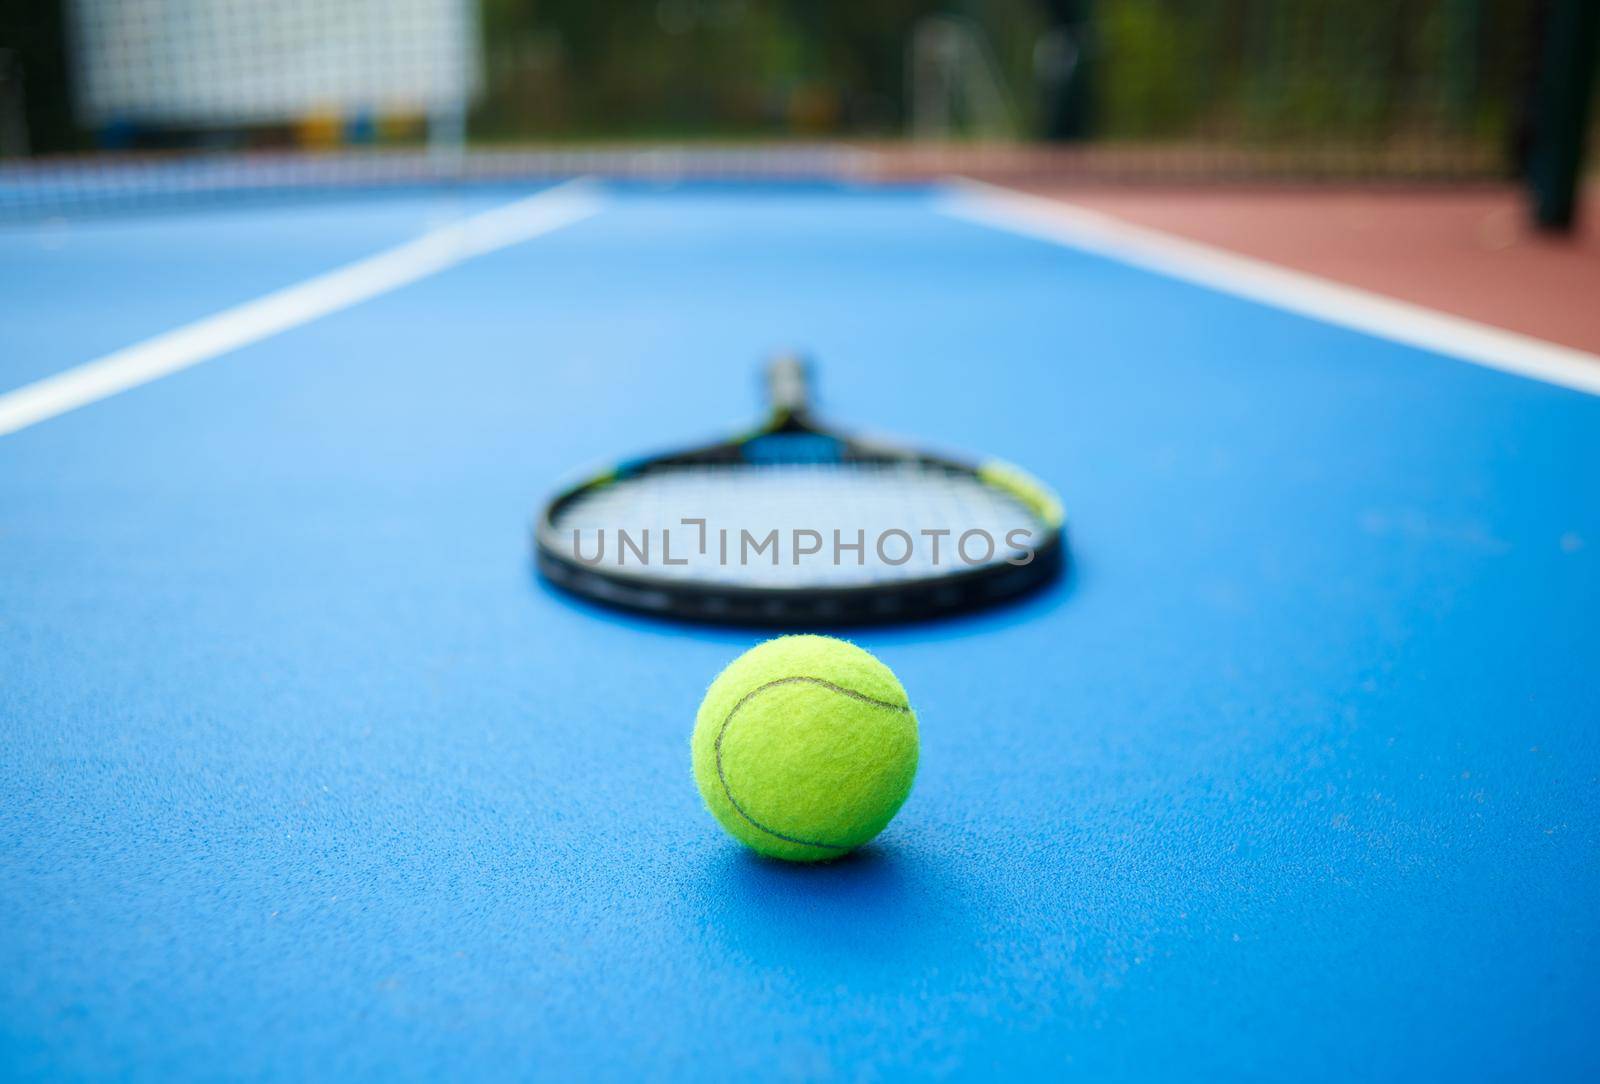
(909, 520)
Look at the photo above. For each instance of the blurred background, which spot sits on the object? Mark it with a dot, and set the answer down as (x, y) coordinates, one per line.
(107, 101)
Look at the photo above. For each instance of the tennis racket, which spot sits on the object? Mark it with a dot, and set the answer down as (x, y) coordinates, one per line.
(797, 524)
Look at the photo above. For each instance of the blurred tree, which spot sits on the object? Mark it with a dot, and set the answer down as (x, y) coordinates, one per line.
(1287, 74)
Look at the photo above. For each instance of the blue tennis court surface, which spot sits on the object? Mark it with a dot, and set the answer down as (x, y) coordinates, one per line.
(303, 774)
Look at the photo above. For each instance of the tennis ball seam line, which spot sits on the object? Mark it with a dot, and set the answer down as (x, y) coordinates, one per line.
(722, 777)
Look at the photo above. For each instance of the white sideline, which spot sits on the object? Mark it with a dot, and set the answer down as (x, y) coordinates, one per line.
(1258, 280)
(281, 310)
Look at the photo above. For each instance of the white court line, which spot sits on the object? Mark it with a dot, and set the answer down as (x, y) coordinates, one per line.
(276, 312)
(1258, 280)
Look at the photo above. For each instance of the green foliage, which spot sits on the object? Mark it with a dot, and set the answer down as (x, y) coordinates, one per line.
(1244, 71)
(684, 67)
(1144, 52)
(1258, 76)
(1293, 71)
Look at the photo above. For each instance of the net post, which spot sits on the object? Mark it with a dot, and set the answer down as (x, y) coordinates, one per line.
(1560, 127)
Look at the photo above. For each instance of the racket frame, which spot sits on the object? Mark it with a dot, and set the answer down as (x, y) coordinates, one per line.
(805, 606)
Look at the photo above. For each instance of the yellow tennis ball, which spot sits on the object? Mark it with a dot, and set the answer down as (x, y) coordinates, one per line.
(805, 747)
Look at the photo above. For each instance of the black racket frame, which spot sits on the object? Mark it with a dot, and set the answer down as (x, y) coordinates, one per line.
(790, 607)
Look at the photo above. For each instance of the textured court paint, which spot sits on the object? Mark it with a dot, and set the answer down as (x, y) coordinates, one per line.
(261, 318)
(118, 280)
(303, 775)
(1293, 291)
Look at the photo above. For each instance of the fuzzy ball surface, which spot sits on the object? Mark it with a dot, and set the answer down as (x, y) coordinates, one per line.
(805, 747)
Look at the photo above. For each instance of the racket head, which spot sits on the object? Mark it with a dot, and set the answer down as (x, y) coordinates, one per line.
(723, 532)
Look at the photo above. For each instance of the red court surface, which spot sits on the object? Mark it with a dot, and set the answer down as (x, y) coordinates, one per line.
(1467, 252)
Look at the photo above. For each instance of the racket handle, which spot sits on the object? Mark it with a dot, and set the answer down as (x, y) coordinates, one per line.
(788, 386)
